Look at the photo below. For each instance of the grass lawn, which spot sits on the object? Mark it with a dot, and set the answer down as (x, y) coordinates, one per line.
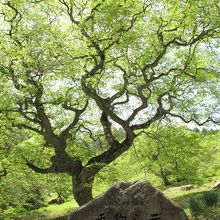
(49, 212)
(183, 197)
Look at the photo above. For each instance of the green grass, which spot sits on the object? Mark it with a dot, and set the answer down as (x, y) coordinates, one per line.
(49, 212)
(183, 197)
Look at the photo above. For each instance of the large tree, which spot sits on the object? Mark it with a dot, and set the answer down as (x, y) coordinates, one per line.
(70, 68)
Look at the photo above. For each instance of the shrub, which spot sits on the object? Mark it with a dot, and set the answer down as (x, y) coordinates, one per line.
(210, 198)
(35, 201)
(33, 204)
(194, 205)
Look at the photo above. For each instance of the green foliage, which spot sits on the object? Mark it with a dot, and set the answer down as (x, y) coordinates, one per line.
(34, 202)
(174, 153)
(210, 198)
(195, 205)
(184, 198)
(210, 140)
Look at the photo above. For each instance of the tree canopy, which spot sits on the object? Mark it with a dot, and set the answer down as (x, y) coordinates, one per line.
(71, 69)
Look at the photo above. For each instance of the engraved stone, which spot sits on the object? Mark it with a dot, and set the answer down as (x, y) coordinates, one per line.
(130, 201)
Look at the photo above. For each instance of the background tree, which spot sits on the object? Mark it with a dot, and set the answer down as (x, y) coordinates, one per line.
(174, 154)
(75, 67)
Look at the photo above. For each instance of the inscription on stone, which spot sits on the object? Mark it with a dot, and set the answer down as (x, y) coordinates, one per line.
(119, 216)
(101, 217)
(130, 201)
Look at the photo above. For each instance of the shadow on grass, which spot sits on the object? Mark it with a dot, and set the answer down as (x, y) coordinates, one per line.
(205, 212)
(42, 217)
(61, 218)
(183, 199)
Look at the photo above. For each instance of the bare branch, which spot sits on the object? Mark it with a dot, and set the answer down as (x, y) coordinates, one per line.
(122, 91)
(209, 119)
(69, 11)
(193, 40)
(16, 15)
(115, 150)
(20, 125)
(94, 137)
(104, 105)
(78, 112)
(159, 114)
(93, 10)
(40, 170)
(144, 103)
(178, 42)
(36, 1)
(107, 129)
(158, 58)
(122, 102)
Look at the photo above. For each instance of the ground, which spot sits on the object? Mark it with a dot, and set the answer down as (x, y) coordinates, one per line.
(58, 212)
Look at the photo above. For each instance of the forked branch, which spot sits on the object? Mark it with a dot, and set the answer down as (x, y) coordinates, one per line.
(40, 170)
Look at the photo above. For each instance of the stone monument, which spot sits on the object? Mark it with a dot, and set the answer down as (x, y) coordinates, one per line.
(130, 201)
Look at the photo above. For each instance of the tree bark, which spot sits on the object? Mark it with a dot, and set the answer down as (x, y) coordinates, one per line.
(82, 192)
(163, 176)
(82, 186)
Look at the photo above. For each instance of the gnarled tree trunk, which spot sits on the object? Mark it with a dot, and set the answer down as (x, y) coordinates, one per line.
(82, 191)
(82, 185)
